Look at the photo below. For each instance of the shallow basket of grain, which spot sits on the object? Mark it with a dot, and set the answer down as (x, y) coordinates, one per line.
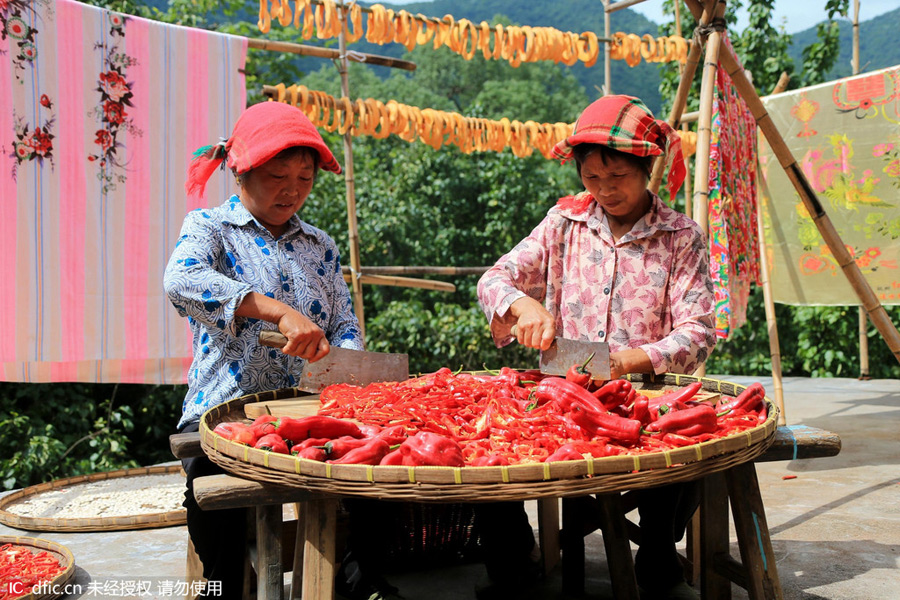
(139, 498)
(488, 484)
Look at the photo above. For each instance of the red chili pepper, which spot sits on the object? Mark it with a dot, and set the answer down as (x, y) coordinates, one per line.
(690, 421)
(337, 448)
(578, 374)
(673, 400)
(679, 440)
(566, 394)
(751, 399)
(311, 452)
(263, 425)
(595, 423)
(240, 433)
(272, 442)
(393, 435)
(640, 411)
(426, 448)
(490, 460)
(370, 454)
(297, 430)
(565, 452)
(613, 393)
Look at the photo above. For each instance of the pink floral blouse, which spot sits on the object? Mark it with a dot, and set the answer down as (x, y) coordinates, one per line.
(650, 290)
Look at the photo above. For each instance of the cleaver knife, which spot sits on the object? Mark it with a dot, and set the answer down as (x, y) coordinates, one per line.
(563, 353)
(342, 365)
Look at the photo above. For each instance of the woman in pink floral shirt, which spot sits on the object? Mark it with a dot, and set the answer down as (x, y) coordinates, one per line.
(615, 264)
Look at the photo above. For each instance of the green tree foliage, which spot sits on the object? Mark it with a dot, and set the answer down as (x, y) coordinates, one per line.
(64, 429)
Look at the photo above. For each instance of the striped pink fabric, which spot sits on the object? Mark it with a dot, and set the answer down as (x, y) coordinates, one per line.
(99, 115)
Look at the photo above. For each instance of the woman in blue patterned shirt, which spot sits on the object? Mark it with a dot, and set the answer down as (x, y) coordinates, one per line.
(246, 265)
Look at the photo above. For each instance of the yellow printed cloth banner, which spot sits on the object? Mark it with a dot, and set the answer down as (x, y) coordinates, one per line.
(845, 136)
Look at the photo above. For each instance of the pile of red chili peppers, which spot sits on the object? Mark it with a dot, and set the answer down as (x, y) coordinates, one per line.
(514, 417)
(20, 570)
(509, 417)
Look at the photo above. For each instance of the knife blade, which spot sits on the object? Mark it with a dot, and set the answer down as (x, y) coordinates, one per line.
(563, 353)
(342, 365)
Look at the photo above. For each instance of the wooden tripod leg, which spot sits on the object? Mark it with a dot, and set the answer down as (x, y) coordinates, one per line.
(753, 533)
(618, 547)
(320, 525)
(713, 537)
(572, 547)
(299, 543)
(270, 570)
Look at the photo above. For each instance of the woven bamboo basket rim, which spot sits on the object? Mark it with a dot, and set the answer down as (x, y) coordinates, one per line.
(63, 555)
(143, 521)
(535, 479)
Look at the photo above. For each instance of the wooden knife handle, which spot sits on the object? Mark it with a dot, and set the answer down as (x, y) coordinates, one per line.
(273, 339)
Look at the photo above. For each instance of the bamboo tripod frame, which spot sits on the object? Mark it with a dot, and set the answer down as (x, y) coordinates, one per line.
(724, 56)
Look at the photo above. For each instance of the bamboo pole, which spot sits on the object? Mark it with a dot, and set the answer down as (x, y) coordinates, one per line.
(681, 95)
(621, 4)
(427, 284)
(704, 125)
(863, 320)
(306, 50)
(688, 200)
(867, 296)
(607, 59)
(704, 129)
(408, 270)
(353, 229)
(771, 321)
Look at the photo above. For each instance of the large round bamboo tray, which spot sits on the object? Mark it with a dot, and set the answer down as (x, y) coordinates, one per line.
(489, 484)
(62, 554)
(112, 523)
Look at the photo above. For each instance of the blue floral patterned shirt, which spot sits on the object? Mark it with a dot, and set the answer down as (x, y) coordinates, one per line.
(223, 254)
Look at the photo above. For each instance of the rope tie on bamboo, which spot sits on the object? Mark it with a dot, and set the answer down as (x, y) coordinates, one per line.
(717, 24)
(354, 56)
(354, 272)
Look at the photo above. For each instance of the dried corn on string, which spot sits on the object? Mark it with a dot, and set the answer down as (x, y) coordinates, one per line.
(515, 44)
(371, 117)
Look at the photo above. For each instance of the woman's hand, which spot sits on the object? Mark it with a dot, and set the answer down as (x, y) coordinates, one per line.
(305, 338)
(535, 326)
(633, 360)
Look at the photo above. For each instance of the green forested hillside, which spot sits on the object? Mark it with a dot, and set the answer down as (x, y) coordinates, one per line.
(878, 46)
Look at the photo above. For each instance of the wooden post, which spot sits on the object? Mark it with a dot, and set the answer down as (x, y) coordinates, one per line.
(816, 211)
(353, 231)
(704, 126)
(774, 346)
(680, 102)
(320, 525)
(688, 200)
(607, 66)
(268, 547)
(863, 320)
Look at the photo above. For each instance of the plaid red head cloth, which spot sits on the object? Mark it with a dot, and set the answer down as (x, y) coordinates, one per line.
(625, 124)
(261, 132)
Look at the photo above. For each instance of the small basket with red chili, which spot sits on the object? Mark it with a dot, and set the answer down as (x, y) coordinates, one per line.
(32, 568)
(507, 426)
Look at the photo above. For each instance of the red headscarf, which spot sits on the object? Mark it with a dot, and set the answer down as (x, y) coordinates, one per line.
(261, 132)
(625, 124)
